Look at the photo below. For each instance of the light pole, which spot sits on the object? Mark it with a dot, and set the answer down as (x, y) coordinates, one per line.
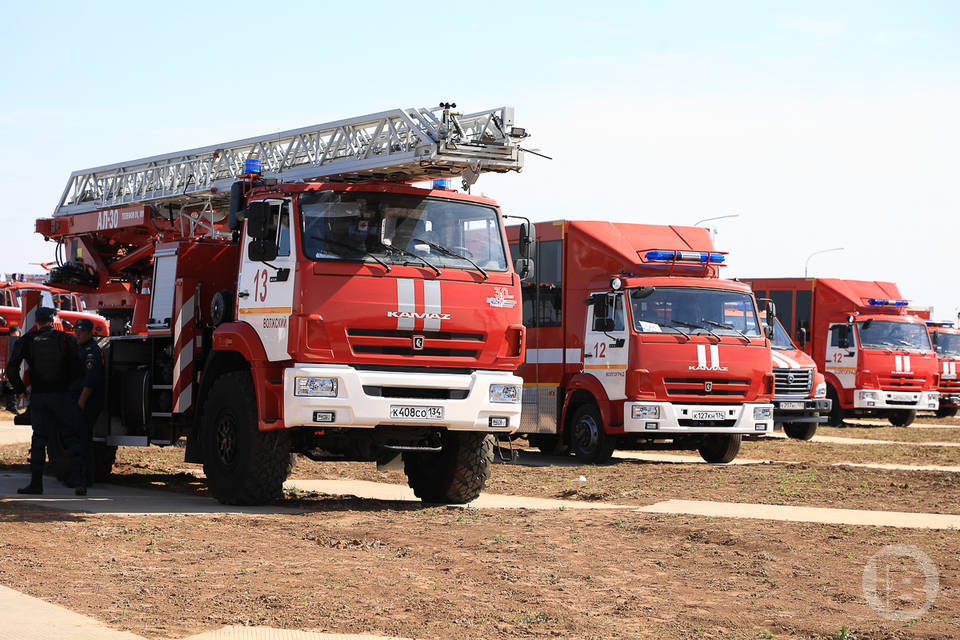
(807, 264)
(713, 232)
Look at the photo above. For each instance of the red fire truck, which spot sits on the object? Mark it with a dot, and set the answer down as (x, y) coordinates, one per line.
(800, 400)
(876, 357)
(69, 305)
(633, 338)
(294, 293)
(946, 340)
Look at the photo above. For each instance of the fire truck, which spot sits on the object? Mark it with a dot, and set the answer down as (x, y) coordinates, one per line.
(296, 293)
(946, 340)
(69, 305)
(876, 357)
(634, 340)
(800, 400)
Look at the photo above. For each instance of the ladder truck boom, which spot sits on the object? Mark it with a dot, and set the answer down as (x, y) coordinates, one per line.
(337, 312)
(406, 145)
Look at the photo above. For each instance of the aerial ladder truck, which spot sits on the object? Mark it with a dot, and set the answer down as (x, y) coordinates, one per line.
(296, 293)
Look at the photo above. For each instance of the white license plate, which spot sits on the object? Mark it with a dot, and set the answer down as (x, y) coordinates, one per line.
(408, 412)
(791, 405)
(903, 397)
(709, 415)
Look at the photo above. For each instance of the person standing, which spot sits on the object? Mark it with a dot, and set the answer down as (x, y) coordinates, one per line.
(54, 360)
(91, 390)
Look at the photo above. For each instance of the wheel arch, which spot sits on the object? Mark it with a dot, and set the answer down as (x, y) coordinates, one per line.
(585, 389)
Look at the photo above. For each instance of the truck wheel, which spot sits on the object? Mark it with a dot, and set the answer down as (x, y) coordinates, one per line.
(800, 430)
(720, 447)
(588, 439)
(243, 465)
(455, 475)
(946, 412)
(902, 417)
(835, 417)
(551, 444)
(103, 459)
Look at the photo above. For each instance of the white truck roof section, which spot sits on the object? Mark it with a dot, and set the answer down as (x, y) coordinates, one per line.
(401, 144)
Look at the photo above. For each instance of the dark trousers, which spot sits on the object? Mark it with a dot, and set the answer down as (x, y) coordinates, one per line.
(56, 415)
(88, 417)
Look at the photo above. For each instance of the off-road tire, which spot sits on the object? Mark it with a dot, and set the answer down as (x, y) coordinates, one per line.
(455, 475)
(800, 430)
(243, 465)
(946, 412)
(902, 417)
(551, 444)
(720, 448)
(835, 417)
(103, 458)
(588, 439)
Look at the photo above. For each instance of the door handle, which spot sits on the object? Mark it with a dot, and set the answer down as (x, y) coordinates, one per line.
(243, 294)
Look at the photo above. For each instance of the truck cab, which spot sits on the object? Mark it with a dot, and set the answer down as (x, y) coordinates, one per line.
(635, 340)
(946, 341)
(800, 400)
(876, 357)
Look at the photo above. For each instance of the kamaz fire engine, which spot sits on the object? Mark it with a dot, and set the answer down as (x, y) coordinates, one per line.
(946, 340)
(635, 340)
(876, 357)
(294, 292)
(800, 399)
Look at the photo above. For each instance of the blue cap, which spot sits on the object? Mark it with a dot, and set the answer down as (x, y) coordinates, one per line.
(83, 323)
(45, 314)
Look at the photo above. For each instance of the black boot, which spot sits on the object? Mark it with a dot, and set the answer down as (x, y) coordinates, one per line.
(36, 481)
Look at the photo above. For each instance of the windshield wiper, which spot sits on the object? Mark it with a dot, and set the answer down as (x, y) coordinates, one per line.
(729, 328)
(697, 326)
(677, 328)
(449, 252)
(389, 247)
(352, 248)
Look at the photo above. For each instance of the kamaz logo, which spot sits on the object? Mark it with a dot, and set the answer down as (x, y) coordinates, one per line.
(416, 315)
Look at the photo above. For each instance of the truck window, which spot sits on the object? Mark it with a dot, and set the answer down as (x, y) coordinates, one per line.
(549, 279)
(804, 312)
(283, 230)
(615, 311)
(784, 302)
(887, 334)
(836, 331)
(528, 292)
(694, 309)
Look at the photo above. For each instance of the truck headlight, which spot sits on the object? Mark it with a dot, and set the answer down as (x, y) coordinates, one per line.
(315, 387)
(505, 393)
(868, 395)
(762, 413)
(645, 412)
(820, 391)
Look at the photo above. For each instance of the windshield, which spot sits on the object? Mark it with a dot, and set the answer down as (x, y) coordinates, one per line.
(780, 338)
(886, 334)
(693, 310)
(948, 344)
(401, 229)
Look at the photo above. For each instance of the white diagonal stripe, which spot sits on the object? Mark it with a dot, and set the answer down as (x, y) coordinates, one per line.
(701, 356)
(405, 303)
(906, 363)
(431, 304)
(714, 356)
(898, 363)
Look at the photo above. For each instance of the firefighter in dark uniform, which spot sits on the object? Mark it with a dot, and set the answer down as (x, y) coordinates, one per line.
(54, 360)
(90, 387)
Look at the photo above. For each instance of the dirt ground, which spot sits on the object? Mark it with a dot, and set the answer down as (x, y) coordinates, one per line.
(434, 572)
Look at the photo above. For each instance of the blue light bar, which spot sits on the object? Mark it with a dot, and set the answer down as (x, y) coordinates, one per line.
(934, 323)
(877, 302)
(441, 184)
(251, 165)
(702, 257)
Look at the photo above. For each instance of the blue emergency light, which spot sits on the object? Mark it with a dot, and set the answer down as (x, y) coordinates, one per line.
(877, 302)
(702, 257)
(934, 323)
(442, 184)
(251, 165)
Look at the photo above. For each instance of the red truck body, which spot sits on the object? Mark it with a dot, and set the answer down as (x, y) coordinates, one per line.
(658, 370)
(946, 340)
(800, 400)
(876, 357)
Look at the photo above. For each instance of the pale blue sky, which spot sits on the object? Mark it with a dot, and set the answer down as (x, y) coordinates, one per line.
(821, 123)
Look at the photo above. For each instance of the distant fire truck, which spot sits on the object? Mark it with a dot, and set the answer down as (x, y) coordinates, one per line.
(634, 338)
(876, 357)
(800, 400)
(946, 341)
(293, 292)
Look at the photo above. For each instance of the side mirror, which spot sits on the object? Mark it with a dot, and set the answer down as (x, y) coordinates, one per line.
(771, 309)
(528, 240)
(263, 244)
(844, 339)
(524, 268)
(802, 336)
(768, 331)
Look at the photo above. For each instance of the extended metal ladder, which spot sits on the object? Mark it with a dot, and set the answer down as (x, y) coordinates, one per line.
(401, 144)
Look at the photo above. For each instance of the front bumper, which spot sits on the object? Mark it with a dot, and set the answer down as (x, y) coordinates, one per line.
(896, 400)
(680, 418)
(805, 410)
(357, 407)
